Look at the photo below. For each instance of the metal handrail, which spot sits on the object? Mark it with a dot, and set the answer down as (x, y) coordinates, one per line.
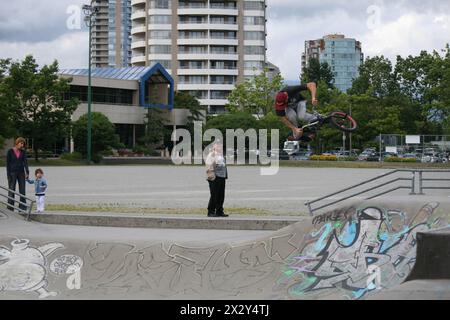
(29, 206)
(417, 174)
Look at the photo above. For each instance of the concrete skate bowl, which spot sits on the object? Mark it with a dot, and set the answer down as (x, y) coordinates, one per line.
(351, 253)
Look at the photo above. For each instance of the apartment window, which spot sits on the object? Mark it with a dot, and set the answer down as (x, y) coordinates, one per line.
(223, 50)
(193, 64)
(254, 35)
(167, 64)
(223, 5)
(193, 19)
(160, 4)
(192, 4)
(193, 79)
(254, 50)
(160, 34)
(160, 49)
(192, 35)
(222, 20)
(160, 19)
(250, 65)
(223, 79)
(219, 94)
(223, 65)
(193, 49)
(254, 21)
(199, 94)
(223, 34)
(254, 5)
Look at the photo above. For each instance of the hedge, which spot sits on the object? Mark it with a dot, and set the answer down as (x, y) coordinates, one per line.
(397, 159)
(324, 158)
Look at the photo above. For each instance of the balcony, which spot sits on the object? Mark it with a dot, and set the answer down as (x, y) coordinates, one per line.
(138, 14)
(133, 2)
(138, 29)
(138, 44)
(192, 72)
(204, 10)
(138, 59)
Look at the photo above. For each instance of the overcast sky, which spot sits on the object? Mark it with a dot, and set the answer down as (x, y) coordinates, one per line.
(49, 30)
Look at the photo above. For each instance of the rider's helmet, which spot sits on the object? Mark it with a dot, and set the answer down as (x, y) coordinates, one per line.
(281, 100)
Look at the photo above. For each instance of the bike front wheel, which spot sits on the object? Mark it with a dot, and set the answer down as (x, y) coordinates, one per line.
(343, 121)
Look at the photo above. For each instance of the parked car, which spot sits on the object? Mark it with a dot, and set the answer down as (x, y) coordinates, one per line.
(282, 155)
(368, 153)
(302, 155)
(346, 154)
(431, 158)
(291, 147)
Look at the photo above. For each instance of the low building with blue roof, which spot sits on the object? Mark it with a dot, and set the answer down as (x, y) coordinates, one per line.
(124, 96)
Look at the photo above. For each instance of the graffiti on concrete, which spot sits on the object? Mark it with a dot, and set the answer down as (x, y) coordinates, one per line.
(333, 216)
(225, 270)
(361, 253)
(23, 267)
(70, 265)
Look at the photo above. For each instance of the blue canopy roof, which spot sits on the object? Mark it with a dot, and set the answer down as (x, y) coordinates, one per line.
(154, 74)
(129, 73)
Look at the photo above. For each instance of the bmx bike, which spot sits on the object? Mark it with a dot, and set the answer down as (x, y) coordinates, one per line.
(338, 119)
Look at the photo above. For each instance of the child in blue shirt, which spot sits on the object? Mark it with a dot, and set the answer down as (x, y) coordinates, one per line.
(40, 185)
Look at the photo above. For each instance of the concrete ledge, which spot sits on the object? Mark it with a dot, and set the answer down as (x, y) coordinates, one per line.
(164, 222)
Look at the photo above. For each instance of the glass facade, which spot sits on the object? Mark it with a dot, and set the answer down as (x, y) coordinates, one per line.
(101, 95)
(125, 33)
(344, 56)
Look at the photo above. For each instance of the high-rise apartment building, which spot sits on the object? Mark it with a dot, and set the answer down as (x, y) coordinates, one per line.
(343, 55)
(111, 34)
(207, 45)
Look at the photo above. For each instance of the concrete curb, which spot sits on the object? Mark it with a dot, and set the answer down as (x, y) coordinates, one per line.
(161, 222)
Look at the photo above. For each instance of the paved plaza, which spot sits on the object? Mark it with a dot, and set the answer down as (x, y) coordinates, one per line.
(186, 187)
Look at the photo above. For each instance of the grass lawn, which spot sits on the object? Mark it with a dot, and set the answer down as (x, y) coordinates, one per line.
(114, 208)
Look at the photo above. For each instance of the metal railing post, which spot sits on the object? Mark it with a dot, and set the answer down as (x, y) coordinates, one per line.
(421, 183)
(413, 183)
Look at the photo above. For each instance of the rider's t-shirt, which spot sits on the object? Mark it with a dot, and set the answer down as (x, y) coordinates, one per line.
(293, 97)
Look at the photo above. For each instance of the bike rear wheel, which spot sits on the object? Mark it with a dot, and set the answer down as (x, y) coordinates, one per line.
(343, 121)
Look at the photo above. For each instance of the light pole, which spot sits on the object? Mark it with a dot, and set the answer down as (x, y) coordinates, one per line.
(90, 12)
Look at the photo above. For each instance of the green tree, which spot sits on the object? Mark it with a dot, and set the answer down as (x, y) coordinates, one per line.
(6, 113)
(255, 95)
(425, 79)
(272, 121)
(104, 135)
(155, 130)
(36, 98)
(184, 100)
(317, 72)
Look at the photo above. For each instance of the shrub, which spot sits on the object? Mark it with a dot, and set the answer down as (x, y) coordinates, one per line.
(397, 159)
(74, 156)
(324, 158)
(139, 149)
(348, 159)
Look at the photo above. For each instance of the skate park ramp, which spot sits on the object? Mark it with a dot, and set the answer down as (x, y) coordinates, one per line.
(354, 252)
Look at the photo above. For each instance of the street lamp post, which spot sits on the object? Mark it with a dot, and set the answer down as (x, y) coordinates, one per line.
(90, 12)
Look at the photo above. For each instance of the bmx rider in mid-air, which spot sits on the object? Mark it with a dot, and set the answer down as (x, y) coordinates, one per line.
(290, 106)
